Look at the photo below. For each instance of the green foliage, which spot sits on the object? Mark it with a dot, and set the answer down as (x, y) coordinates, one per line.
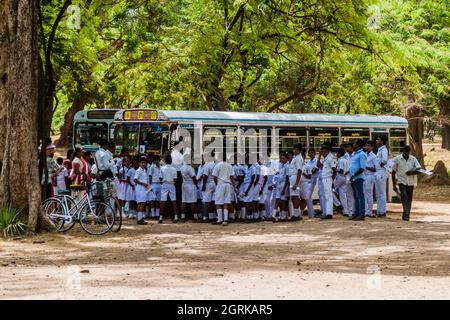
(342, 56)
(10, 223)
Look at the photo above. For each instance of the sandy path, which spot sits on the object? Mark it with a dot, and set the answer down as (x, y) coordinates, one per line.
(378, 258)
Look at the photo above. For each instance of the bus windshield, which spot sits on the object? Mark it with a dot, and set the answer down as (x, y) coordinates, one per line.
(89, 134)
(144, 138)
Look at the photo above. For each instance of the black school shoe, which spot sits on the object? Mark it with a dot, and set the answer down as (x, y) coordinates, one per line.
(175, 221)
(142, 222)
(326, 217)
(405, 218)
(381, 215)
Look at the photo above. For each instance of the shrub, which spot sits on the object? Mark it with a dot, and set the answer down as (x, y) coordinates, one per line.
(10, 222)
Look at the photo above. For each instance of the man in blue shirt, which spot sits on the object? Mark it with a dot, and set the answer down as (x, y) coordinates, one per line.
(357, 167)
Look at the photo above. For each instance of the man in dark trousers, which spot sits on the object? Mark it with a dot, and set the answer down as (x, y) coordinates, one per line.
(404, 174)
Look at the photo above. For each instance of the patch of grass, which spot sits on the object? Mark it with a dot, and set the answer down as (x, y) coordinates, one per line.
(10, 222)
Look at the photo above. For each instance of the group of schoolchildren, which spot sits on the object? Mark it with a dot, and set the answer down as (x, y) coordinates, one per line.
(219, 192)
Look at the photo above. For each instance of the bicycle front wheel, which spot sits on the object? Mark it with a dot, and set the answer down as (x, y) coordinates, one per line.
(97, 217)
(55, 211)
(71, 208)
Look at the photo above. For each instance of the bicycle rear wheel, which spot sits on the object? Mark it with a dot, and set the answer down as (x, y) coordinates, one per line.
(97, 217)
(55, 211)
(114, 202)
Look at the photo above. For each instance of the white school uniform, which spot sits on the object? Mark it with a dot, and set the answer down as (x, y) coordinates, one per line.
(61, 179)
(155, 173)
(369, 182)
(295, 165)
(327, 184)
(381, 176)
(305, 182)
(131, 195)
(249, 172)
(264, 190)
(224, 172)
(208, 194)
(199, 181)
(142, 193)
(281, 182)
(341, 183)
(350, 195)
(255, 170)
(168, 175)
(269, 189)
(188, 188)
(312, 184)
(122, 190)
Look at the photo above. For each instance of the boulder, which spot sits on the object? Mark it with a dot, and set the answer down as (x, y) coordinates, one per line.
(440, 175)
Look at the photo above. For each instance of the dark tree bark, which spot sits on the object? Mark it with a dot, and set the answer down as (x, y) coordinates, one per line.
(415, 131)
(20, 51)
(66, 130)
(444, 106)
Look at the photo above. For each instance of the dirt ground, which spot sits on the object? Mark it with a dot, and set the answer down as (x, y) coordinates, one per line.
(311, 259)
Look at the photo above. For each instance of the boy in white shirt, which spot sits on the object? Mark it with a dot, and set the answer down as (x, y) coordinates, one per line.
(156, 181)
(369, 182)
(61, 176)
(208, 188)
(131, 194)
(189, 191)
(141, 179)
(295, 175)
(328, 171)
(282, 188)
(168, 192)
(224, 178)
(341, 180)
(381, 175)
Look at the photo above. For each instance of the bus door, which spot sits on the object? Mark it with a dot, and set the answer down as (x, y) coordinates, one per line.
(318, 136)
(256, 140)
(289, 137)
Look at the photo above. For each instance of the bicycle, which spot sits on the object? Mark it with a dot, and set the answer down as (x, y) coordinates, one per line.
(89, 208)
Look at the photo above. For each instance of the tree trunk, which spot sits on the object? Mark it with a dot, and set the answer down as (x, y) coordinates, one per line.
(20, 91)
(3, 77)
(66, 130)
(444, 106)
(415, 131)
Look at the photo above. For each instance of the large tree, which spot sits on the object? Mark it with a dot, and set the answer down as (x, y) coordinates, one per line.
(19, 179)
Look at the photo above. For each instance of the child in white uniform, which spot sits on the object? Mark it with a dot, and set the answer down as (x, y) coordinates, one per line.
(369, 182)
(381, 175)
(282, 188)
(342, 179)
(122, 192)
(328, 167)
(62, 174)
(141, 179)
(223, 176)
(131, 195)
(189, 191)
(295, 173)
(208, 187)
(156, 180)
(169, 177)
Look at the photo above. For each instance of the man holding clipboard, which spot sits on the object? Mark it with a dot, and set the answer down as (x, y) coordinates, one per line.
(404, 174)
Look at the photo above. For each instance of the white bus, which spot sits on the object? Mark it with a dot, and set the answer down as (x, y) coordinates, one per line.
(90, 126)
(149, 131)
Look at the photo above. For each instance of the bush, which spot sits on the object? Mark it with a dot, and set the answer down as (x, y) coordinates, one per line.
(10, 222)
